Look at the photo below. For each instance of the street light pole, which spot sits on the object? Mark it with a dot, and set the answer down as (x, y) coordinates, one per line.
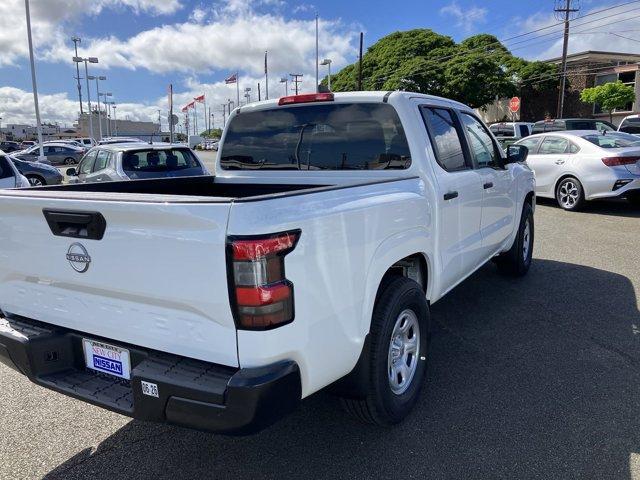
(327, 62)
(115, 120)
(76, 41)
(33, 79)
(86, 76)
(97, 78)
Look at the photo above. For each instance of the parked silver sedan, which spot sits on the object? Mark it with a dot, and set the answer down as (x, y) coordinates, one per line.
(132, 161)
(580, 165)
(55, 154)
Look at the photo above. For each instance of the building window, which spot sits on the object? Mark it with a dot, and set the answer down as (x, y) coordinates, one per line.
(628, 78)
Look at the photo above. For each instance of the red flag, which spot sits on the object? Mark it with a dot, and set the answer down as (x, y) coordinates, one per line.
(232, 79)
(199, 99)
(185, 108)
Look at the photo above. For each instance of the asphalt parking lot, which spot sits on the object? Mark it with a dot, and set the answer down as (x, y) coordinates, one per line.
(531, 378)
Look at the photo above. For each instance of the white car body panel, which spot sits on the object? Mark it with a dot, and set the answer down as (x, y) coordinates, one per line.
(158, 278)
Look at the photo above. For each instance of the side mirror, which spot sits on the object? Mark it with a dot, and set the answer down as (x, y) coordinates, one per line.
(516, 154)
(71, 172)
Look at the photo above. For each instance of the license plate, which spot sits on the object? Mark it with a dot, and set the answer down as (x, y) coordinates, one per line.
(106, 358)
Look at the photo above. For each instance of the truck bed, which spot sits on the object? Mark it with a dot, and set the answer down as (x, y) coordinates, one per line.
(205, 187)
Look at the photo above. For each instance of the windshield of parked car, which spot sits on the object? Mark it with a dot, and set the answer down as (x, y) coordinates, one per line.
(613, 140)
(346, 136)
(154, 163)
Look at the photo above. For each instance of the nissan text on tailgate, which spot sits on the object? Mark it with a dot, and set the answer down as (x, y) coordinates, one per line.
(309, 260)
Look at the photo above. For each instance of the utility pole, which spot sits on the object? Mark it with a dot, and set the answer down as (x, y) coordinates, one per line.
(296, 80)
(33, 80)
(224, 115)
(76, 41)
(317, 89)
(563, 11)
(360, 63)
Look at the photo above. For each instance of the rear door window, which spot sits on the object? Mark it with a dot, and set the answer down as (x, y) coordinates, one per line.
(446, 134)
(553, 146)
(323, 136)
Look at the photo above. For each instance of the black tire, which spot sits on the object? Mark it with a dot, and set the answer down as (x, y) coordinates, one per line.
(69, 161)
(516, 261)
(379, 404)
(634, 198)
(36, 180)
(570, 194)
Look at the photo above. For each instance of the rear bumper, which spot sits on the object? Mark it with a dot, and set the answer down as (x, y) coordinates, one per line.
(191, 393)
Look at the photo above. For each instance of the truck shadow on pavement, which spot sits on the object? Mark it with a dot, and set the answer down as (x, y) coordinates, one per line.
(535, 377)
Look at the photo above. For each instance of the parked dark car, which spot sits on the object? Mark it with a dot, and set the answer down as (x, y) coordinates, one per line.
(9, 146)
(562, 124)
(55, 153)
(38, 174)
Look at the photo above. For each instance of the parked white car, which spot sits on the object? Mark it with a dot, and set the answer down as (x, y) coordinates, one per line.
(310, 259)
(580, 165)
(10, 177)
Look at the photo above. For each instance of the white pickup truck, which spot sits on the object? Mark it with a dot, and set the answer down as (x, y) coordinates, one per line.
(309, 260)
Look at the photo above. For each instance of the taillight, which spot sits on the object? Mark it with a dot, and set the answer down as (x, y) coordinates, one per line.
(306, 98)
(261, 295)
(617, 161)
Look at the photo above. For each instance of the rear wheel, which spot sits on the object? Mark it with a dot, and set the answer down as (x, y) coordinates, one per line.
(36, 181)
(570, 194)
(398, 346)
(69, 161)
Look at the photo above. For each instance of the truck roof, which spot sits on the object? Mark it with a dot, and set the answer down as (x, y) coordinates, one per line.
(364, 96)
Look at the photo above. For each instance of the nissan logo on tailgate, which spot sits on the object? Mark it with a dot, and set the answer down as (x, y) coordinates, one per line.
(78, 257)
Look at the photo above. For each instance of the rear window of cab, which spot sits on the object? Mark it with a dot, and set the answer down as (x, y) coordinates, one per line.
(327, 136)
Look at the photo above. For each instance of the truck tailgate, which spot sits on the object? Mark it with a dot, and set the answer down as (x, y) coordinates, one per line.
(156, 279)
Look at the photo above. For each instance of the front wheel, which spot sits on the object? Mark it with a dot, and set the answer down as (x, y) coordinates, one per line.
(399, 339)
(517, 260)
(634, 198)
(570, 194)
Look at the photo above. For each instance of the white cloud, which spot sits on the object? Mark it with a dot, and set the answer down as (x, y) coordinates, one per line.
(48, 18)
(467, 18)
(16, 106)
(227, 43)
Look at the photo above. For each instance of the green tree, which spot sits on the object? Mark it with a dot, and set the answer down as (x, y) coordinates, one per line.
(475, 71)
(609, 96)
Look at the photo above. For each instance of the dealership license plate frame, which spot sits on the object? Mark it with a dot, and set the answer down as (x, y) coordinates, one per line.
(106, 358)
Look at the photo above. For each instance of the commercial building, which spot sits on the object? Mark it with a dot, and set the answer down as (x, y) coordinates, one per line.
(584, 70)
(121, 128)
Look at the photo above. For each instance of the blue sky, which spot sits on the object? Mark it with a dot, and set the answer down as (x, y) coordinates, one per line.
(144, 45)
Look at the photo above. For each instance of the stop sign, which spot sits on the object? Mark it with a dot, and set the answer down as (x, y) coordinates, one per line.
(514, 104)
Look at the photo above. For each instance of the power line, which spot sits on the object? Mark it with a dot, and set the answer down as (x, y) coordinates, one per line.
(502, 42)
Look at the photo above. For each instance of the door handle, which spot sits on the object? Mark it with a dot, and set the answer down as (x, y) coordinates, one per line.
(488, 185)
(450, 195)
(559, 162)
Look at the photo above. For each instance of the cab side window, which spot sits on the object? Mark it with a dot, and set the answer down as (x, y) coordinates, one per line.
(553, 146)
(5, 170)
(87, 163)
(445, 134)
(483, 150)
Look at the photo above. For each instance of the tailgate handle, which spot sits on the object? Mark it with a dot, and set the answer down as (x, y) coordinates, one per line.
(74, 224)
